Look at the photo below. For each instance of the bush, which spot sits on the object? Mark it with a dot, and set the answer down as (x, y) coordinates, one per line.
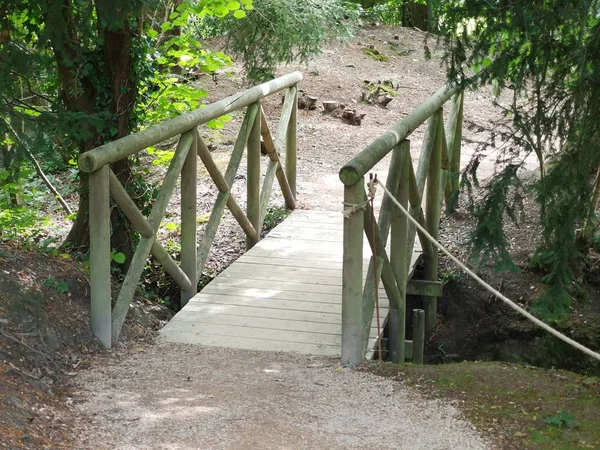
(282, 31)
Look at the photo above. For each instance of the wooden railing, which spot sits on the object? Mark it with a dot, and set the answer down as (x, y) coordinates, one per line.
(437, 169)
(107, 321)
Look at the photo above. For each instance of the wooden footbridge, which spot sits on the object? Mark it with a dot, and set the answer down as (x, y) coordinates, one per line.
(311, 285)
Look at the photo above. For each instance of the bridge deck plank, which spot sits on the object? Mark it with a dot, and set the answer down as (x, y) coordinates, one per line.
(282, 295)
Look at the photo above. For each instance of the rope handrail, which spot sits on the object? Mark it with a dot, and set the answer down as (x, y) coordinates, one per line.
(485, 285)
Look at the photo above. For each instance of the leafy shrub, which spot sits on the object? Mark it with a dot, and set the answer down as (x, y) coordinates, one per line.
(282, 31)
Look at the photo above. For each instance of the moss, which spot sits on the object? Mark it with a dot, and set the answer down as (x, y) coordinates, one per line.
(519, 405)
(375, 54)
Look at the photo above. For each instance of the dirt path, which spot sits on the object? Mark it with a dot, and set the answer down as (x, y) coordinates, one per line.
(186, 397)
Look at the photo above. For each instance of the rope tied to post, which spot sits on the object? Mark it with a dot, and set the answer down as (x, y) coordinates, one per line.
(351, 208)
(492, 290)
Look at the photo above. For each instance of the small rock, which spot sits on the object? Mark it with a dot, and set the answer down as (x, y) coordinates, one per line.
(351, 66)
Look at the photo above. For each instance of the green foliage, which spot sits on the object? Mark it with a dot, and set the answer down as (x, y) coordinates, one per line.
(59, 287)
(562, 419)
(117, 257)
(488, 241)
(282, 31)
(548, 54)
(274, 217)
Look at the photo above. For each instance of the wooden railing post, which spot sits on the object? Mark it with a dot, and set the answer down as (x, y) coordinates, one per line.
(454, 138)
(100, 255)
(418, 341)
(398, 260)
(433, 207)
(291, 145)
(253, 179)
(189, 219)
(383, 224)
(352, 273)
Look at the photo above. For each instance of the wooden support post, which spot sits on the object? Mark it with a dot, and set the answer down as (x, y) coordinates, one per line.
(100, 255)
(454, 138)
(398, 260)
(222, 197)
(418, 340)
(352, 274)
(265, 192)
(433, 208)
(253, 180)
(387, 274)
(189, 220)
(171, 267)
(418, 186)
(369, 300)
(273, 154)
(138, 262)
(129, 208)
(223, 187)
(383, 226)
(291, 143)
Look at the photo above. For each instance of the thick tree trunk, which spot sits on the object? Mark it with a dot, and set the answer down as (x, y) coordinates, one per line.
(116, 35)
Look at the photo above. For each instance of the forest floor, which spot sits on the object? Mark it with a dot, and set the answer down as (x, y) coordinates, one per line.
(75, 395)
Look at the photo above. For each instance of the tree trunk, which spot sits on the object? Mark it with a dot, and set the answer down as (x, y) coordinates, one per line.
(417, 16)
(116, 35)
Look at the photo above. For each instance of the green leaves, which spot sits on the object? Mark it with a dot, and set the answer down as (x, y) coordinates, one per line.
(562, 419)
(57, 286)
(284, 31)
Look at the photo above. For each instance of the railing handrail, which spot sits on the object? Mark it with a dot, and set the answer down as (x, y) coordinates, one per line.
(126, 146)
(364, 161)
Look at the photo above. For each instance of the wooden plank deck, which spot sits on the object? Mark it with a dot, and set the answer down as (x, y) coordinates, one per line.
(285, 294)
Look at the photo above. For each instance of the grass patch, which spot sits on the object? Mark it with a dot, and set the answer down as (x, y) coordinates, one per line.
(521, 407)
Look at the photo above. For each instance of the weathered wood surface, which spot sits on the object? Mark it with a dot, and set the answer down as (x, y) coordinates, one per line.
(285, 294)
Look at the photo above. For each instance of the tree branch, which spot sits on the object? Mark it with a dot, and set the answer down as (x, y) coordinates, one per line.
(39, 170)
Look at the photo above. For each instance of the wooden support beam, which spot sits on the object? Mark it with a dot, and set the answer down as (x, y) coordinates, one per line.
(398, 260)
(234, 162)
(352, 275)
(265, 193)
(273, 154)
(408, 345)
(418, 341)
(424, 287)
(171, 267)
(454, 138)
(383, 225)
(189, 222)
(100, 255)
(291, 156)
(142, 251)
(433, 208)
(253, 207)
(416, 195)
(387, 274)
(223, 187)
(371, 287)
(129, 208)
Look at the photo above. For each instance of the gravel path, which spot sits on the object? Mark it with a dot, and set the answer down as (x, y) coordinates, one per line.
(189, 397)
